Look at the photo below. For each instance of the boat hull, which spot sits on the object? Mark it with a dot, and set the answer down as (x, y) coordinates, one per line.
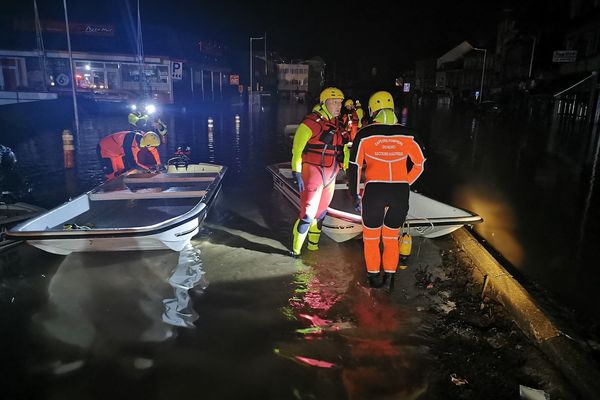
(174, 239)
(135, 212)
(426, 217)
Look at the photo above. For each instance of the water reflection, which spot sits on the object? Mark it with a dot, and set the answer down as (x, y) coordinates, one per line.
(98, 303)
(188, 275)
(355, 336)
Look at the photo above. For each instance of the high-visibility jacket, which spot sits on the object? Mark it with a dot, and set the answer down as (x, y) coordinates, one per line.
(384, 151)
(360, 113)
(317, 141)
(351, 122)
(126, 145)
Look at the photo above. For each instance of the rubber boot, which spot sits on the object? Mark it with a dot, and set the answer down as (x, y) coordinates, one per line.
(314, 233)
(388, 281)
(374, 279)
(298, 240)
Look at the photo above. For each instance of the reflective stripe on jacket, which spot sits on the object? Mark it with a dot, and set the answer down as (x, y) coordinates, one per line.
(125, 144)
(384, 149)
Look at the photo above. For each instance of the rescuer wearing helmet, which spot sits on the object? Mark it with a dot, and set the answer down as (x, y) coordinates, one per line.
(141, 122)
(350, 119)
(382, 149)
(360, 113)
(316, 159)
(121, 151)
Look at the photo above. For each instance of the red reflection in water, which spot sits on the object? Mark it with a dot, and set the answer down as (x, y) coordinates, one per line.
(315, 320)
(314, 363)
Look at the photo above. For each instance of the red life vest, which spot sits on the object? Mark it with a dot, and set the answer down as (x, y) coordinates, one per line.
(326, 143)
(350, 123)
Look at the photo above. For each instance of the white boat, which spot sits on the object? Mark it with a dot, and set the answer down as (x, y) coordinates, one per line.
(135, 211)
(12, 214)
(426, 217)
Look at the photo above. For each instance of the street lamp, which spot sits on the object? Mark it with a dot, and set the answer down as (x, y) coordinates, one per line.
(257, 38)
(482, 72)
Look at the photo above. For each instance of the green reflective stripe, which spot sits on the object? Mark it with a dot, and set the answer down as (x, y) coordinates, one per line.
(386, 116)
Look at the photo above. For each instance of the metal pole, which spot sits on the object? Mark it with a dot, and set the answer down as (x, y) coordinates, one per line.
(577, 84)
(250, 91)
(265, 53)
(482, 72)
(71, 66)
(40, 44)
(531, 60)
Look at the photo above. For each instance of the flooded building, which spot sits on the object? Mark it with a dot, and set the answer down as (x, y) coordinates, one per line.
(109, 63)
(292, 81)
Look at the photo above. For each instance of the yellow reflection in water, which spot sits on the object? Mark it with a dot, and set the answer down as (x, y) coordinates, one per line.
(500, 226)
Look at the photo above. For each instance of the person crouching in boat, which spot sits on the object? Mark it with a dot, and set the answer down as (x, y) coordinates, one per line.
(382, 149)
(122, 151)
(317, 155)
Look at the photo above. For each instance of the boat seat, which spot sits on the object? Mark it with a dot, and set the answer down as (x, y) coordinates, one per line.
(148, 193)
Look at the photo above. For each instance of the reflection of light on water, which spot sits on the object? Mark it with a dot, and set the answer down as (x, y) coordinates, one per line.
(499, 225)
(588, 201)
(188, 275)
(236, 149)
(211, 140)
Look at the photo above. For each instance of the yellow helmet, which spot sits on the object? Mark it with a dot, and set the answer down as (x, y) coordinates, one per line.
(137, 119)
(349, 102)
(379, 101)
(330, 93)
(150, 139)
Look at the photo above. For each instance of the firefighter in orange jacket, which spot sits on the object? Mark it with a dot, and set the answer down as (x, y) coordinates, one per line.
(317, 155)
(350, 119)
(126, 150)
(382, 149)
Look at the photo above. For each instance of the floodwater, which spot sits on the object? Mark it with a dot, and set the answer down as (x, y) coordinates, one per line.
(232, 316)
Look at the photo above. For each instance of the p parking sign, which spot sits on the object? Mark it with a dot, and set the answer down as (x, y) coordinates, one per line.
(176, 70)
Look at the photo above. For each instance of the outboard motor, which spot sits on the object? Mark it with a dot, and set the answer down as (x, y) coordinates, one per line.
(182, 157)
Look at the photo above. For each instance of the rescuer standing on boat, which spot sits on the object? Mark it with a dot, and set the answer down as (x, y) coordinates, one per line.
(382, 149)
(317, 156)
(120, 152)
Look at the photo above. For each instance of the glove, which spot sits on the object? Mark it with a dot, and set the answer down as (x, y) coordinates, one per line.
(357, 203)
(298, 179)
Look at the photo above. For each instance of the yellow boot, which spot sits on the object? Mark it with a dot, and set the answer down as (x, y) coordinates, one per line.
(314, 233)
(298, 240)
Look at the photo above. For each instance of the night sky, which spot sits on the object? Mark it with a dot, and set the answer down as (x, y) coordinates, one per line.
(397, 33)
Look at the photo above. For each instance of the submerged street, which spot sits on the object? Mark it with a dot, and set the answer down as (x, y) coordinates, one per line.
(233, 316)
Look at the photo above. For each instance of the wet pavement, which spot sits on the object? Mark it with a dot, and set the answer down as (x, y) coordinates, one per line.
(233, 316)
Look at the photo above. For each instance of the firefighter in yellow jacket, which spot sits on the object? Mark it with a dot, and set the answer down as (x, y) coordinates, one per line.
(317, 156)
(382, 149)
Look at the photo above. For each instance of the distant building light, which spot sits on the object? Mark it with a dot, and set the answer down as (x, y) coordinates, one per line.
(87, 67)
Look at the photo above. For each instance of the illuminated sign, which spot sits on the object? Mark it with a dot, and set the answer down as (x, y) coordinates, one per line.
(564, 56)
(406, 87)
(234, 80)
(176, 70)
(75, 28)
